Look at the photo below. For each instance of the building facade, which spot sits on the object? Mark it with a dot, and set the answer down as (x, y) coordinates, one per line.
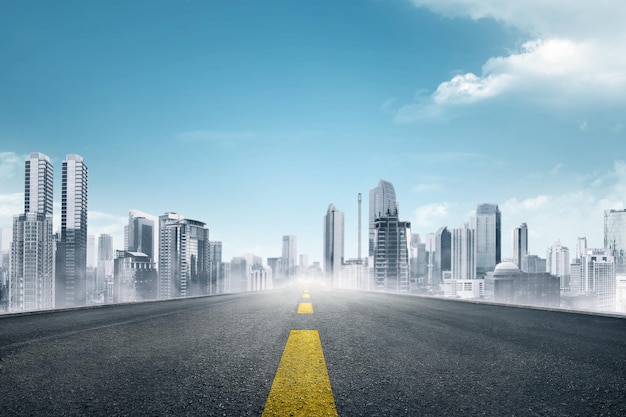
(615, 238)
(391, 254)
(31, 283)
(333, 241)
(382, 203)
(289, 260)
(463, 254)
(520, 244)
(558, 264)
(488, 231)
(71, 259)
(135, 277)
(183, 257)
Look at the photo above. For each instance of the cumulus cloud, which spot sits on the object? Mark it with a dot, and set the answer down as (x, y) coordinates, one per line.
(430, 215)
(568, 215)
(11, 164)
(573, 58)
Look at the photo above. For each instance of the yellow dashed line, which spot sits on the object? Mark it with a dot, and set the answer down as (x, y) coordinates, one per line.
(301, 386)
(306, 295)
(305, 308)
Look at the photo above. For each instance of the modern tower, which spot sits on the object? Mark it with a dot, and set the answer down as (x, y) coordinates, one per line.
(520, 244)
(105, 271)
(391, 254)
(557, 263)
(140, 235)
(615, 237)
(31, 276)
(184, 268)
(71, 256)
(443, 255)
(487, 226)
(289, 256)
(463, 261)
(382, 203)
(333, 241)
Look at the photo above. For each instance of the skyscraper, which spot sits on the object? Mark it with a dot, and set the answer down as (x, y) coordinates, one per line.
(615, 237)
(31, 276)
(289, 256)
(597, 280)
(487, 224)
(105, 272)
(216, 278)
(463, 261)
(557, 263)
(382, 203)
(443, 255)
(391, 254)
(520, 244)
(140, 235)
(183, 257)
(333, 241)
(71, 256)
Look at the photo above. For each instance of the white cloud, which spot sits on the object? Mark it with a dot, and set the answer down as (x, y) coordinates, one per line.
(575, 57)
(10, 205)
(430, 215)
(426, 187)
(568, 215)
(11, 164)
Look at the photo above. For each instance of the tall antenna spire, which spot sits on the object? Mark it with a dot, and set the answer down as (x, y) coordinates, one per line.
(359, 227)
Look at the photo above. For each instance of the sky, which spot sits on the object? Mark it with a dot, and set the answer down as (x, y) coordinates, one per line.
(254, 116)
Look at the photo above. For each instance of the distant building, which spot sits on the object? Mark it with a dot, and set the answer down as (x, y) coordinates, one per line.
(260, 278)
(520, 244)
(418, 261)
(391, 254)
(183, 257)
(464, 288)
(488, 235)
(463, 256)
(597, 281)
(382, 201)
(289, 261)
(140, 235)
(71, 258)
(443, 255)
(507, 284)
(533, 264)
(615, 237)
(31, 283)
(333, 241)
(215, 261)
(135, 277)
(276, 266)
(241, 270)
(558, 264)
(105, 271)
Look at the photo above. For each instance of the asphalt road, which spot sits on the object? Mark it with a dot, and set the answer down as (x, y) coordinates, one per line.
(386, 355)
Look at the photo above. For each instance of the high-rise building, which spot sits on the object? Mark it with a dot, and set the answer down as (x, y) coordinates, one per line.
(443, 255)
(598, 281)
(31, 275)
(520, 244)
(558, 264)
(183, 257)
(463, 254)
(140, 235)
(216, 277)
(105, 271)
(289, 256)
(615, 237)
(391, 253)
(418, 259)
(382, 203)
(71, 259)
(487, 226)
(333, 241)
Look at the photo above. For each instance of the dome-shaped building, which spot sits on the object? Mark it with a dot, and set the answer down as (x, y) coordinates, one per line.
(506, 269)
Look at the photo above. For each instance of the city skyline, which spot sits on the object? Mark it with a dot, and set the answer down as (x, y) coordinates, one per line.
(252, 118)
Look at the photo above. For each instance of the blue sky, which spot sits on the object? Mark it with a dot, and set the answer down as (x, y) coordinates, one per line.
(254, 116)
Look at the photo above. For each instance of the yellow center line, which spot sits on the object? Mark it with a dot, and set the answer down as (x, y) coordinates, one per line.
(301, 386)
(306, 295)
(305, 308)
